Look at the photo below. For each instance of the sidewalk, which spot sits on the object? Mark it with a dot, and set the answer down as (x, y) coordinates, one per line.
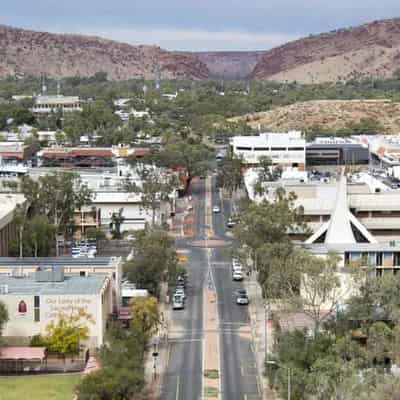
(154, 369)
(261, 330)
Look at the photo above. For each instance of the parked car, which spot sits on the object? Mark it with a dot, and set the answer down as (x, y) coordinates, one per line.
(237, 275)
(178, 303)
(242, 299)
(230, 223)
(240, 292)
(216, 209)
(180, 292)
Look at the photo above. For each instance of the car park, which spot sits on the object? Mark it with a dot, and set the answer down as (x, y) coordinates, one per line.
(216, 209)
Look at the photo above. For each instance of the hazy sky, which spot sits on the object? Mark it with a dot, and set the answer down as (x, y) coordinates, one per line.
(196, 24)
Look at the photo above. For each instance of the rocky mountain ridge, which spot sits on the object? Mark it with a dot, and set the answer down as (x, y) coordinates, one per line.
(26, 52)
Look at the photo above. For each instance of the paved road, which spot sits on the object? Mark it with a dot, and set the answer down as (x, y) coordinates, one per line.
(183, 379)
(238, 364)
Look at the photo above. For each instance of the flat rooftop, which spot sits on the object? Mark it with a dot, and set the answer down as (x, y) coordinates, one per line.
(72, 285)
(59, 261)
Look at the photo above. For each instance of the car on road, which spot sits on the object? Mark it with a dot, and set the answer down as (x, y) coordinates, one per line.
(240, 292)
(178, 303)
(230, 223)
(180, 292)
(216, 209)
(242, 299)
(237, 275)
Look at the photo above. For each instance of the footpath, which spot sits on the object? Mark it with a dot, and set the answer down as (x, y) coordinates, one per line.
(261, 331)
(155, 367)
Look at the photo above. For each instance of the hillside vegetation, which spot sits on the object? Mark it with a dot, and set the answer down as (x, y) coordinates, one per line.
(329, 115)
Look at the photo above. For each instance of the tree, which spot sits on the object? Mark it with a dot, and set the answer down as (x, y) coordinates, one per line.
(187, 153)
(40, 232)
(266, 173)
(145, 315)
(122, 374)
(115, 225)
(56, 196)
(320, 289)
(64, 336)
(154, 259)
(3, 316)
(155, 186)
(230, 174)
(95, 233)
(268, 222)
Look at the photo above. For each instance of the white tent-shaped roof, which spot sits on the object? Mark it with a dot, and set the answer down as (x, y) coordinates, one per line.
(342, 224)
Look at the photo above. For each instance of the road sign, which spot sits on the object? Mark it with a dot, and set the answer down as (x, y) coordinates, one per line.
(182, 258)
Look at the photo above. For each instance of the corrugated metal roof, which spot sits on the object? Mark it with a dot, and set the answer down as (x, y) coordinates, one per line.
(72, 285)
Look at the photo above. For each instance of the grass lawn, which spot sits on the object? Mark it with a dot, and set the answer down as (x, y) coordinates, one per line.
(49, 387)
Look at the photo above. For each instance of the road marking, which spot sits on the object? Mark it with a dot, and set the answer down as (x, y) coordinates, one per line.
(242, 370)
(177, 340)
(177, 387)
(245, 396)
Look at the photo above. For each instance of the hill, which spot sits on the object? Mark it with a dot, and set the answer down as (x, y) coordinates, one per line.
(25, 52)
(230, 64)
(329, 115)
(369, 50)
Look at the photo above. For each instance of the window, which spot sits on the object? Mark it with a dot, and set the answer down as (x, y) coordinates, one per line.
(296, 148)
(82, 273)
(278, 149)
(36, 310)
(261, 149)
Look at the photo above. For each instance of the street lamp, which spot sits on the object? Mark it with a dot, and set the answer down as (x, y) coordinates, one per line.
(272, 362)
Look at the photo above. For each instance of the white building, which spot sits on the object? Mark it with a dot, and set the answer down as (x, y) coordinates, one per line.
(34, 301)
(285, 149)
(47, 104)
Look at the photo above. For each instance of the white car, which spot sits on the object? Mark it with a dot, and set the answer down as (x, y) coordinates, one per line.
(216, 209)
(242, 300)
(178, 303)
(237, 276)
(180, 292)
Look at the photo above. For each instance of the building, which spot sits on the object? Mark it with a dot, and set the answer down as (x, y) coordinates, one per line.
(102, 266)
(85, 218)
(375, 205)
(46, 104)
(285, 149)
(344, 234)
(336, 151)
(69, 157)
(15, 152)
(36, 300)
(8, 232)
